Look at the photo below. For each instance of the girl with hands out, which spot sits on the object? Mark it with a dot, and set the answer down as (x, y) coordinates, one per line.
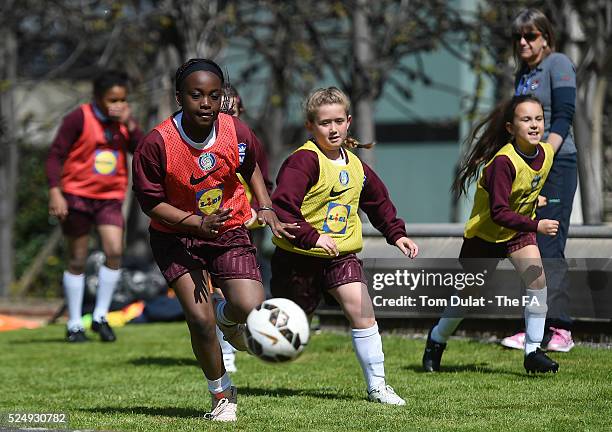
(320, 188)
(185, 178)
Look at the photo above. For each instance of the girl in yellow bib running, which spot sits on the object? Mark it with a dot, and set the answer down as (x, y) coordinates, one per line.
(320, 188)
(515, 164)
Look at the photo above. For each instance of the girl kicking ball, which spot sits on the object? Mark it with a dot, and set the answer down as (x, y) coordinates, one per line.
(185, 177)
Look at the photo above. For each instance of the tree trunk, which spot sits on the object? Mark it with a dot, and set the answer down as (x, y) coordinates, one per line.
(597, 140)
(274, 121)
(10, 157)
(588, 48)
(29, 276)
(363, 91)
(159, 105)
(588, 142)
(198, 21)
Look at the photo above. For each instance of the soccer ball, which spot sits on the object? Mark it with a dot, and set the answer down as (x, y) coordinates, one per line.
(277, 330)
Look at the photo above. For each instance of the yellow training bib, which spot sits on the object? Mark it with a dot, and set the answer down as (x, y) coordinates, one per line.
(331, 204)
(523, 198)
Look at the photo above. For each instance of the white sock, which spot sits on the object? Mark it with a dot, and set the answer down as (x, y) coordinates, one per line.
(219, 385)
(74, 289)
(226, 348)
(535, 317)
(107, 282)
(220, 314)
(368, 348)
(444, 329)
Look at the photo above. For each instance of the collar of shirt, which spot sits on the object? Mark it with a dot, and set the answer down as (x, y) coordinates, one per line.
(526, 156)
(526, 70)
(208, 142)
(342, 159)
(98, 113)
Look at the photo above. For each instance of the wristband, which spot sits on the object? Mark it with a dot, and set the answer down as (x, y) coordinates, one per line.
(266, 208)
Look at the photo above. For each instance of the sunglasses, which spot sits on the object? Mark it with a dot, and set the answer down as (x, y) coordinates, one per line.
(529, 36)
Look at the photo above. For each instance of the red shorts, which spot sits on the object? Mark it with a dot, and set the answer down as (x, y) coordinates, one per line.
(231, 255)
(301, 278)
(85, 212)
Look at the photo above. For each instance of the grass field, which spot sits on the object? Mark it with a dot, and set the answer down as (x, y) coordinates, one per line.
(149, 381)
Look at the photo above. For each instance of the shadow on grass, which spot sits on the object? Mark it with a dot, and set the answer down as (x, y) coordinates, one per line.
(162, 361)
(195, 413)
(474, 367)
(284, 392)
(478, 368)
(149, 411)
(44, 341)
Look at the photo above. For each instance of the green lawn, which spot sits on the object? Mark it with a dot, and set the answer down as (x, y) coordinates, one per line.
(149, 381)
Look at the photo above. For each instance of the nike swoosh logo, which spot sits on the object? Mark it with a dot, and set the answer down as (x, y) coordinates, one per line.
(194, 181)
(334, 194)
(274, 339)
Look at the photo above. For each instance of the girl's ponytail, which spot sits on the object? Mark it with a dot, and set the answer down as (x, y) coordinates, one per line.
(352, 143)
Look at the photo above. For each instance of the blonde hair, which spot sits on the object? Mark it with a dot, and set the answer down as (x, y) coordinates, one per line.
(330, 96)
(325, 96)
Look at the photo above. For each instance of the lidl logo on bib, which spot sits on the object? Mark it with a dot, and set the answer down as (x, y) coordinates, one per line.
(343, 177)
(209, 200)
(207, 161)
(105, 162)
(336, 219)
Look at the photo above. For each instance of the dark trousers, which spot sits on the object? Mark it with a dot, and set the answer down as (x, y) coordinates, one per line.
(559, 189)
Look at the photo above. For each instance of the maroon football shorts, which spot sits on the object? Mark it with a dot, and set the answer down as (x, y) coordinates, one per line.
(301, 278)
(231, 255)
(85, 212)
(476, 247)
(478, 255)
